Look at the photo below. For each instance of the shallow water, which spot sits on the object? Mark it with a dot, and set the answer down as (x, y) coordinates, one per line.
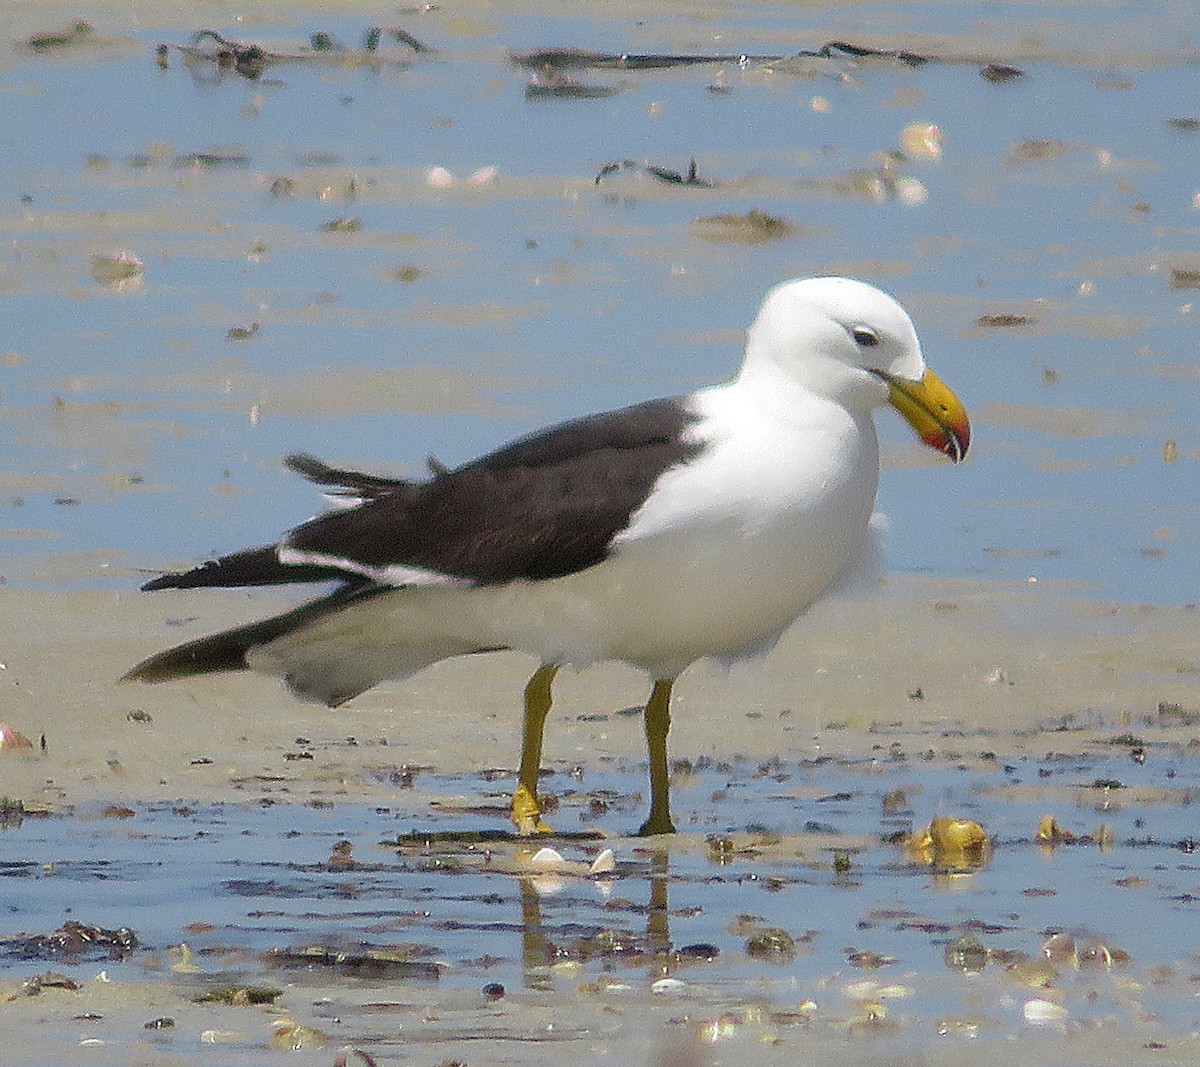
(423, 912)
(1064, 197)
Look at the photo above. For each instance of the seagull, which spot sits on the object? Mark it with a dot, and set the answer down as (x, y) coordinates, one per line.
(691, 527)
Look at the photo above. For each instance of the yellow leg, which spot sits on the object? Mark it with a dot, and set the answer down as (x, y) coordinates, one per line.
(658, 722)
(525, 811)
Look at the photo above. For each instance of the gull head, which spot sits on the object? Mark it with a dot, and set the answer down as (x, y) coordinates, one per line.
(848, 341)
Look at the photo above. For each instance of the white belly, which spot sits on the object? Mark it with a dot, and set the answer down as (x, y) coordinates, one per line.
(705, 573)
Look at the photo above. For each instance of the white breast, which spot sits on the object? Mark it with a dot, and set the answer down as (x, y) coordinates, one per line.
(725, 554)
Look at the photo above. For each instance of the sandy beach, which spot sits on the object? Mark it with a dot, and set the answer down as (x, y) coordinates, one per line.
(379, 255)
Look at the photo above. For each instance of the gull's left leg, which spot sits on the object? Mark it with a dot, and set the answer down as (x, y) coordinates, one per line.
(658, 722)
(525, 811)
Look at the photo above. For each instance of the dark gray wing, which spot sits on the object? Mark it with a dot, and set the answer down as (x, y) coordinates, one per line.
(543, 506)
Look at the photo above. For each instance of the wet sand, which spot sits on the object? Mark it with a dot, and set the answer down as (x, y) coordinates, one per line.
(994, 665)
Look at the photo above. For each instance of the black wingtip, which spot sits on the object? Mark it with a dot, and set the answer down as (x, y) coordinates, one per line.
(229, 649)
(208, 655)
(253, 567)
(308, 466)
(163, 581)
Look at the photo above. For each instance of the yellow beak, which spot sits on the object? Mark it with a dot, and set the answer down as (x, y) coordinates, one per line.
(933, 411)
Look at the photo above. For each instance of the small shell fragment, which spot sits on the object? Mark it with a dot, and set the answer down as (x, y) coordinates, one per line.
(222, 1037)
(290, 1036)
(1043, 1011)
(605, 863)
(922, 140)
(13, 740)
(547, 859)
(911, 191)
(484, 176)
(116, 268)
(1050, 833)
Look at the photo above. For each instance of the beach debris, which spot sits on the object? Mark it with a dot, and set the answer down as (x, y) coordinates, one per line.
(771, 943)
(583, 58)
(570, 58)
(967, 954)
(212, 158)
(700, 952)
(1004, 321)
(222, 1037)
(549, 859)
(12, 812)
(290, 1036)
(1185, 277)
(867, 959)
(406, 273)
(604, 863)
(76, 33)
(955, 844)
(117, 811)
(31, 987)
(239, 996)
(753, 228)
(182, 959)
(1173, 714)
(867, 990)
(443, 178)
(12, 740)
(998, 73)
(547, 870)
(922, 140)
(392, 964)
(1083, 951)
(117, 270)
(1050, 835)
(73, 939)
(662, 174)
(210, 50)
(1040, 1011)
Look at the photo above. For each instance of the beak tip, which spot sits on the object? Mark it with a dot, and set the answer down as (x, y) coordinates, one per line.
(958, 444)
(933, 411)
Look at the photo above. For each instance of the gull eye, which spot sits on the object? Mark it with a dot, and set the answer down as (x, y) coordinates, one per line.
(864, 336)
